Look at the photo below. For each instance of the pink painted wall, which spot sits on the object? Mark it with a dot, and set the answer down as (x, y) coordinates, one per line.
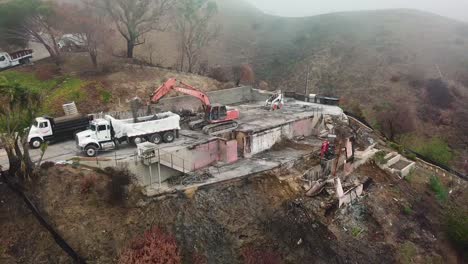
(230, 153)
(302, 128)
(206, 154)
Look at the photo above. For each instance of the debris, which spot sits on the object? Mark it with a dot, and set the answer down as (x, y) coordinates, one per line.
(191, 178)
(299, 242)
(316, 188)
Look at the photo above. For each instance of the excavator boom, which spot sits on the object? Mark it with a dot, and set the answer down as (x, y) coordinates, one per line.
(172, 84)
(218, 119)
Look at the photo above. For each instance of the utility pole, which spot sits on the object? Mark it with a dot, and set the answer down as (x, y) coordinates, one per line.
(306, 92)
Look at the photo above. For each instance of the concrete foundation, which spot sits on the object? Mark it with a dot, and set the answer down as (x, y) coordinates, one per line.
(259, 130)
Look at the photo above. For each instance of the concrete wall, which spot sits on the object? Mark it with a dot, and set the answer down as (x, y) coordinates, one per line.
(140, 170)
(262, 141)
(228, 151)
(206, 154)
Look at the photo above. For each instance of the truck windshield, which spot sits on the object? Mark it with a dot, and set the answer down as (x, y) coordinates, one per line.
(92, 127)
(35, 123)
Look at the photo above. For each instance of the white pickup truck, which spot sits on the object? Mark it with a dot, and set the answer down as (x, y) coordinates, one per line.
(107, 133)
(8, 60)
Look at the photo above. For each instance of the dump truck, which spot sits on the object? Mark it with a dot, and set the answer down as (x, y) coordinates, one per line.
(8, 60)
(49, 129)
(107, 133)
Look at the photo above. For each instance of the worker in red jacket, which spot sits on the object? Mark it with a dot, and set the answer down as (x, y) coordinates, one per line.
(325, 148)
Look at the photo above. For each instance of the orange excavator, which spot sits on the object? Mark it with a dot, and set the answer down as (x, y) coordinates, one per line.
(217, 119)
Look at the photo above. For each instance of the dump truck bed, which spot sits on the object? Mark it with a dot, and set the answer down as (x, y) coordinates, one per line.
(146, 125)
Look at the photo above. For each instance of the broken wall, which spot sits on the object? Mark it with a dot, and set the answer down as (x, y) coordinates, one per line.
(265, 140)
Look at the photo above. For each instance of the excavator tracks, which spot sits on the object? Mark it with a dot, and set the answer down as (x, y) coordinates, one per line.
(216, 129)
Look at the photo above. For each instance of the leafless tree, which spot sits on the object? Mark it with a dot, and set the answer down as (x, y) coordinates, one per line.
(193, 24)
(88, 26)
(395, 120)
(135, 18)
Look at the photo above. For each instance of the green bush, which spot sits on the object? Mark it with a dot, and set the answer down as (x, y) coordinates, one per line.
(106, 96)
(407, 252)
(438, 188)
(410, 176)
(456, 227)
(411, 156)
(407, 210)
(379, 157)
(395, 146)
(437, 150)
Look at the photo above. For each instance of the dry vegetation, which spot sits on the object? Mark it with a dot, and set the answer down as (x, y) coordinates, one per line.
(403, 221)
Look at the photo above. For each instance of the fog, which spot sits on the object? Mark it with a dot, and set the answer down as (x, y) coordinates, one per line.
(457, 9)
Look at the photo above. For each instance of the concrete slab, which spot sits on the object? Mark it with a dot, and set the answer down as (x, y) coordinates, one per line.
(255, 118)
(259, 163)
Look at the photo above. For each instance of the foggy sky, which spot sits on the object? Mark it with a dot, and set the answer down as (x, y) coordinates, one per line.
(457, 9)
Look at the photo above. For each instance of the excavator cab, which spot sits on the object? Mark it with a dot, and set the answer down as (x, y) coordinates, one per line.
(217, 113)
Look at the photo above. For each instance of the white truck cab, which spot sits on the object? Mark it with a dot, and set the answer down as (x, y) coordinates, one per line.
(5, 60)
(40, 129)
(97, 137)
(8, 60)
(105, 134)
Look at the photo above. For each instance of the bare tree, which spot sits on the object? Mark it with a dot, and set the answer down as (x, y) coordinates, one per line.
(88, 26)
(193, 25)
(33, 20)
(395, 120)
(135, 18)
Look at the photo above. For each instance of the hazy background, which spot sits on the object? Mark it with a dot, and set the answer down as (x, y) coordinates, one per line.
(457, 9)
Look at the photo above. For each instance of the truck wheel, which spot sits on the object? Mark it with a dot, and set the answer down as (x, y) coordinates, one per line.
(137, 140)
(169, 137)
(35, 143)
(156, 138)
(91, 151)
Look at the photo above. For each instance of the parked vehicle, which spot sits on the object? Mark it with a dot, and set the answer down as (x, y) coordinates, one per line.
(275, 101)
(8, 60)
(72, 42)
(106, 134)
(56, 129)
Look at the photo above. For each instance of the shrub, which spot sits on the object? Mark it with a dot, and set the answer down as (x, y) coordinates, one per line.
(438, 93)
(456, 227)
(87, 183)
(395, 120)
(407, 210)
(411, 156)
(356, 231)
(379, 157)
(438, 188)
(251, 256)
(106, 96)
(219, 74)
(154, 246)
(437, 150)
(410, 176)
(407, 252)
(119, 180)
(47, 165)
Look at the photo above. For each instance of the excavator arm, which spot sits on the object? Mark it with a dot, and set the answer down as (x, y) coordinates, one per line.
(173, 84)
